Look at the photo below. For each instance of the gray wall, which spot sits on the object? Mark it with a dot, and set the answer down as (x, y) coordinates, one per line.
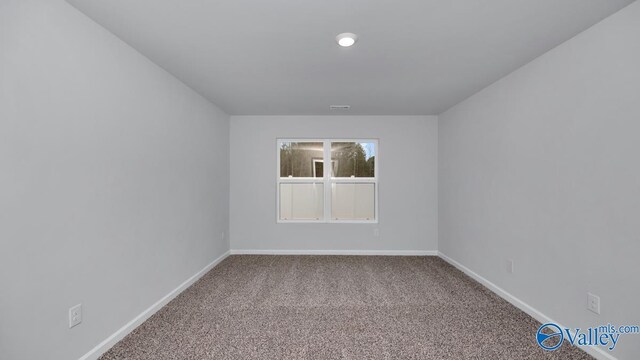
(113, 181)
(408, 195)
(544, 167)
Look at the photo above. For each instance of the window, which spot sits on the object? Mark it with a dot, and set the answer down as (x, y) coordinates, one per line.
(345, 191)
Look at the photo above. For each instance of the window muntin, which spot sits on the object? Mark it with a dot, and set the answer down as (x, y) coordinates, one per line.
(307, 191)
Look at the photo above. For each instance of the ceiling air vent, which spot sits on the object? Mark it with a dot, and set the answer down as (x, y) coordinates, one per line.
(339, 107)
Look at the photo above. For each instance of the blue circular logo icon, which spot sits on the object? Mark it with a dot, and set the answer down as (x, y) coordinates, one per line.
(549, 336)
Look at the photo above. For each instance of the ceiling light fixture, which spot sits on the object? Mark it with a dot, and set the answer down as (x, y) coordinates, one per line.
(346, 39)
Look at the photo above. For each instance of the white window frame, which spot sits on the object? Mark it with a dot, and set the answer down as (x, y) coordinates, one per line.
(327, 180)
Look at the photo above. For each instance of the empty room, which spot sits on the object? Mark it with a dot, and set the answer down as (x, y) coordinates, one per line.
(328, 179)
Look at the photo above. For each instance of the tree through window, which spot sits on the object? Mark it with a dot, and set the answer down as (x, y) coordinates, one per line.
(308, 191)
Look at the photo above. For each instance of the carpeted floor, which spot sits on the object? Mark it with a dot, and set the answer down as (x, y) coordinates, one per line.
(336, 307)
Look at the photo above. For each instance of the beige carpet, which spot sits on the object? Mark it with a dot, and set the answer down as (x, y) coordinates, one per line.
(337, 307)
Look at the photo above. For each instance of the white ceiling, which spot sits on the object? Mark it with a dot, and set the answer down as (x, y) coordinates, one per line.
(279, 57)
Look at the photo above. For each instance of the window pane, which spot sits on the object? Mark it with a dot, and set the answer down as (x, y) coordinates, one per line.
(353, 159)
(301, 159)
(301, 201)
(353, 201)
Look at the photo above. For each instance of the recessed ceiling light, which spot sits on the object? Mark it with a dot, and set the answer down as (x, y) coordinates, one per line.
(346, 39)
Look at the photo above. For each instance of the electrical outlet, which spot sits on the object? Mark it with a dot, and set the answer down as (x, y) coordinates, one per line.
(593, 303)
(510, 266)
(222, 235)
(75, 315)
(376, 232)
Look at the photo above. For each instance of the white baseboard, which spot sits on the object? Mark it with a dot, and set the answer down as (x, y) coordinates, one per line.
(530, 310)
(336, 252)
(101, 348)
